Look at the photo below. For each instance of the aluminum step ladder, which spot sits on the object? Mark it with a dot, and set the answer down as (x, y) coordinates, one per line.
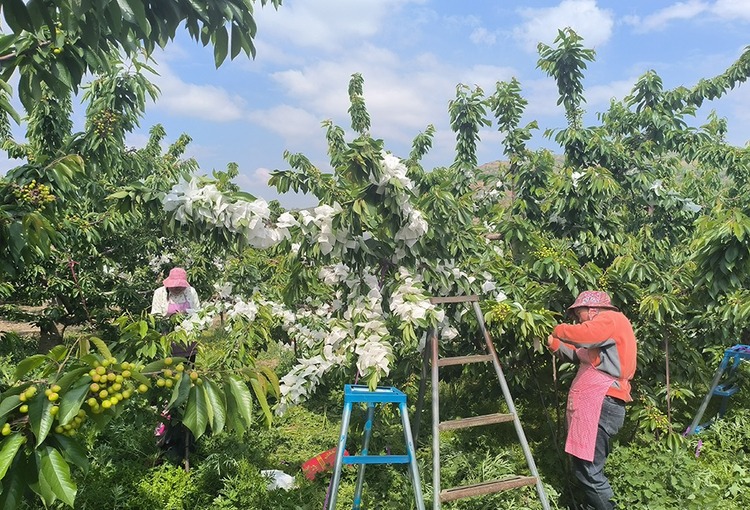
(733, 356)
(431, 358)
(357, 393)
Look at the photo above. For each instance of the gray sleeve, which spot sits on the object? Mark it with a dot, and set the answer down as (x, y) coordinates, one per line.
(566, 352)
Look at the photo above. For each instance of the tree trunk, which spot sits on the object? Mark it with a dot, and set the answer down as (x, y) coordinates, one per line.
(50, 336)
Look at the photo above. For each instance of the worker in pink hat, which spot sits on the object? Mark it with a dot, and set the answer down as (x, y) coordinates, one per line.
(604, 345)
(175, 296)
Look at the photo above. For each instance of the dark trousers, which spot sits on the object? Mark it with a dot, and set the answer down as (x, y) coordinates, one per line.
(591, 474)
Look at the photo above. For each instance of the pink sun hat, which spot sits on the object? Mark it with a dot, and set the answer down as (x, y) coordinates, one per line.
(593, 299)
(177, 278)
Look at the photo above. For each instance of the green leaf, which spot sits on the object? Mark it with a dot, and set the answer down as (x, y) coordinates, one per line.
(102, 419)
(237, 390)
(72, 450)
(28, 364)
(56, 474)
(74, 375)
(138, 13)
(101, 346)
(62, 74)
(118, 195)
(153, 367)
(273, 379)
(126, 10)
(234, 421)
(40, 418)
(8, 404)
(13, 488)
(180, 392)
(38, 484)
(71, 402)
(215, 398)
(209, 407)
(58, 353)
(260, 394)
(236, 41)
(140, 378)
(196, 416)
(8, 451)
(221, 43)
(17, 16)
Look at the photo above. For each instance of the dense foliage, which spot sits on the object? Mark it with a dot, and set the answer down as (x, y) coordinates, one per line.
(644, 205)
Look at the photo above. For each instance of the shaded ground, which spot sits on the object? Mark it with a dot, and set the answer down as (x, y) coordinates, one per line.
(22, 328)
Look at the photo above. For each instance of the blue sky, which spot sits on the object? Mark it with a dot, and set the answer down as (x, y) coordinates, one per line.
(412, 54)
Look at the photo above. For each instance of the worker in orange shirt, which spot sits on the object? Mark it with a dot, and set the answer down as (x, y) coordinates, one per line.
(604, 344)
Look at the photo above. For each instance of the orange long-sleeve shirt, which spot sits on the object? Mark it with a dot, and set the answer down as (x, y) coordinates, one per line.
(613, 348)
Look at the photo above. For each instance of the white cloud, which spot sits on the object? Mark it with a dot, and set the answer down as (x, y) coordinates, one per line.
(599, 96)
(326, 24)
(258, 178)
(256, 183)
(542, 97)
(739, 107)
(732, 9)
(583, 16)
(486, 76)
(394, 91)
(483, 36)
(137, 139)
(662, 18)
(207, 102)
(293, 124)
(680, 11)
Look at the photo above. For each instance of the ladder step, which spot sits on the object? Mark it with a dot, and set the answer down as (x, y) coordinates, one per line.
(726, 390)
(463, 360)
(377, 459)
(453, 299)
(475, 421)
(481, 489)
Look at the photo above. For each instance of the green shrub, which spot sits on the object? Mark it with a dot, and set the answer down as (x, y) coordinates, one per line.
(708, 471)
(246, 488)
(169, 487)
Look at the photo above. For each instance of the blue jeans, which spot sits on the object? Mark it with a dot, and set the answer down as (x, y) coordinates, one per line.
(591, 474)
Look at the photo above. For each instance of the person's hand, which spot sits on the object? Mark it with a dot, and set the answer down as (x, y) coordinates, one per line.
(550, 340)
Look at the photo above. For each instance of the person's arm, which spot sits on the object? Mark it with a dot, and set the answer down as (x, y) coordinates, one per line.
(561, 349)
(193, 301)
(159, 302)
(597, 332)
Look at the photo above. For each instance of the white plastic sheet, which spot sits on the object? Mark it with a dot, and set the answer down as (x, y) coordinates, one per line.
(278, 479)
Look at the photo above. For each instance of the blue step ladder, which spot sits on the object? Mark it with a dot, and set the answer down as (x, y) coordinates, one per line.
(354, 394)
(733, 356)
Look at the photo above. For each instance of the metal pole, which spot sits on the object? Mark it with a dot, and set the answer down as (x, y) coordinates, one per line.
(340, 455)
(365, 446)
(704, 404)
(512, 408)
(435, 424)
(413, 469)
(422, 389)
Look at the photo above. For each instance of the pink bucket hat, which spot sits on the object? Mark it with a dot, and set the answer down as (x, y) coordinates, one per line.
(592, 299)
(177, 278)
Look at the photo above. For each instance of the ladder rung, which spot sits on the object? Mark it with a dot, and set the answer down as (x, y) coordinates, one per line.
(481, 489)
(474, 421)
(453, 299)
(724, 390)
(463, 360)
(377, 459)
